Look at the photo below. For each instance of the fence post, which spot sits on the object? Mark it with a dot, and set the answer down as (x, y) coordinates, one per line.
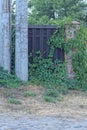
(21, 47)
(5, 39)
(71, 30)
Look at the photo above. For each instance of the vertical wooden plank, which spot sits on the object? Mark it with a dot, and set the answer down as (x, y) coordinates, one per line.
(33, 41)
(41, 42)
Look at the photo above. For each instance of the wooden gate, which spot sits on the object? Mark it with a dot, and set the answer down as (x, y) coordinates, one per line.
(38, 36)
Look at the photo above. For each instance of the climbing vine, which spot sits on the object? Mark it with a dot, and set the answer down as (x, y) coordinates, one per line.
(80, 57)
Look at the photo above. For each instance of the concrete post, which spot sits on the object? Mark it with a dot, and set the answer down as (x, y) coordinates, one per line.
(1, 44)
(71, 30)
(6, 35)
(21, 47)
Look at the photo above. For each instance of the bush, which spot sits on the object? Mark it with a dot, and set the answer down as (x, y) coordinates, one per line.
(47, 72)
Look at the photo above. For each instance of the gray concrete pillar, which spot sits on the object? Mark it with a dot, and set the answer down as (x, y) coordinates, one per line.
(21, 46)
(1, 44)
(5, 34)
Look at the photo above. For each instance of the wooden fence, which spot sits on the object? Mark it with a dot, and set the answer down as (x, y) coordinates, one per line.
(38, 36)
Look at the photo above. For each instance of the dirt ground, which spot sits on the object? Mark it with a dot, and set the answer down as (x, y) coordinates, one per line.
(74, 104)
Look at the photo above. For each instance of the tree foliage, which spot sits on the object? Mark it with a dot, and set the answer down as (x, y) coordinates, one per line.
(56, 9)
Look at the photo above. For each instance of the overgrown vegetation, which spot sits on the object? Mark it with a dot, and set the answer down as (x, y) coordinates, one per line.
(53, 74)
(80, 58)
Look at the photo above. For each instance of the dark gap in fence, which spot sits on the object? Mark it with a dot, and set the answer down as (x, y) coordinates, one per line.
(13, 49)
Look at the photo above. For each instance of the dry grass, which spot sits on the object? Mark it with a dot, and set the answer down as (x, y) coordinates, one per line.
(74, 103)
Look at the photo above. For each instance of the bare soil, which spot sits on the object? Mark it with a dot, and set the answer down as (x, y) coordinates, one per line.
(74, 104)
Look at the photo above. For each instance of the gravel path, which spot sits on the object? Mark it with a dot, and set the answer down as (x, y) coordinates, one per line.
(41, 123)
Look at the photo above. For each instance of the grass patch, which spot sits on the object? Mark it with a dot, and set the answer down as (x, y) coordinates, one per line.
(14, 101)
(8, 94)
(29, 94)
(52, 92)
(59, 98)
(49, 99)
(52, 95)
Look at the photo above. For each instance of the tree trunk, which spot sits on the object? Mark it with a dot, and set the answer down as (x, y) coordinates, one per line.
(5, 40)
(21, 47)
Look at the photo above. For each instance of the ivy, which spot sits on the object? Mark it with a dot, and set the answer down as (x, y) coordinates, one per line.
(80, 58)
